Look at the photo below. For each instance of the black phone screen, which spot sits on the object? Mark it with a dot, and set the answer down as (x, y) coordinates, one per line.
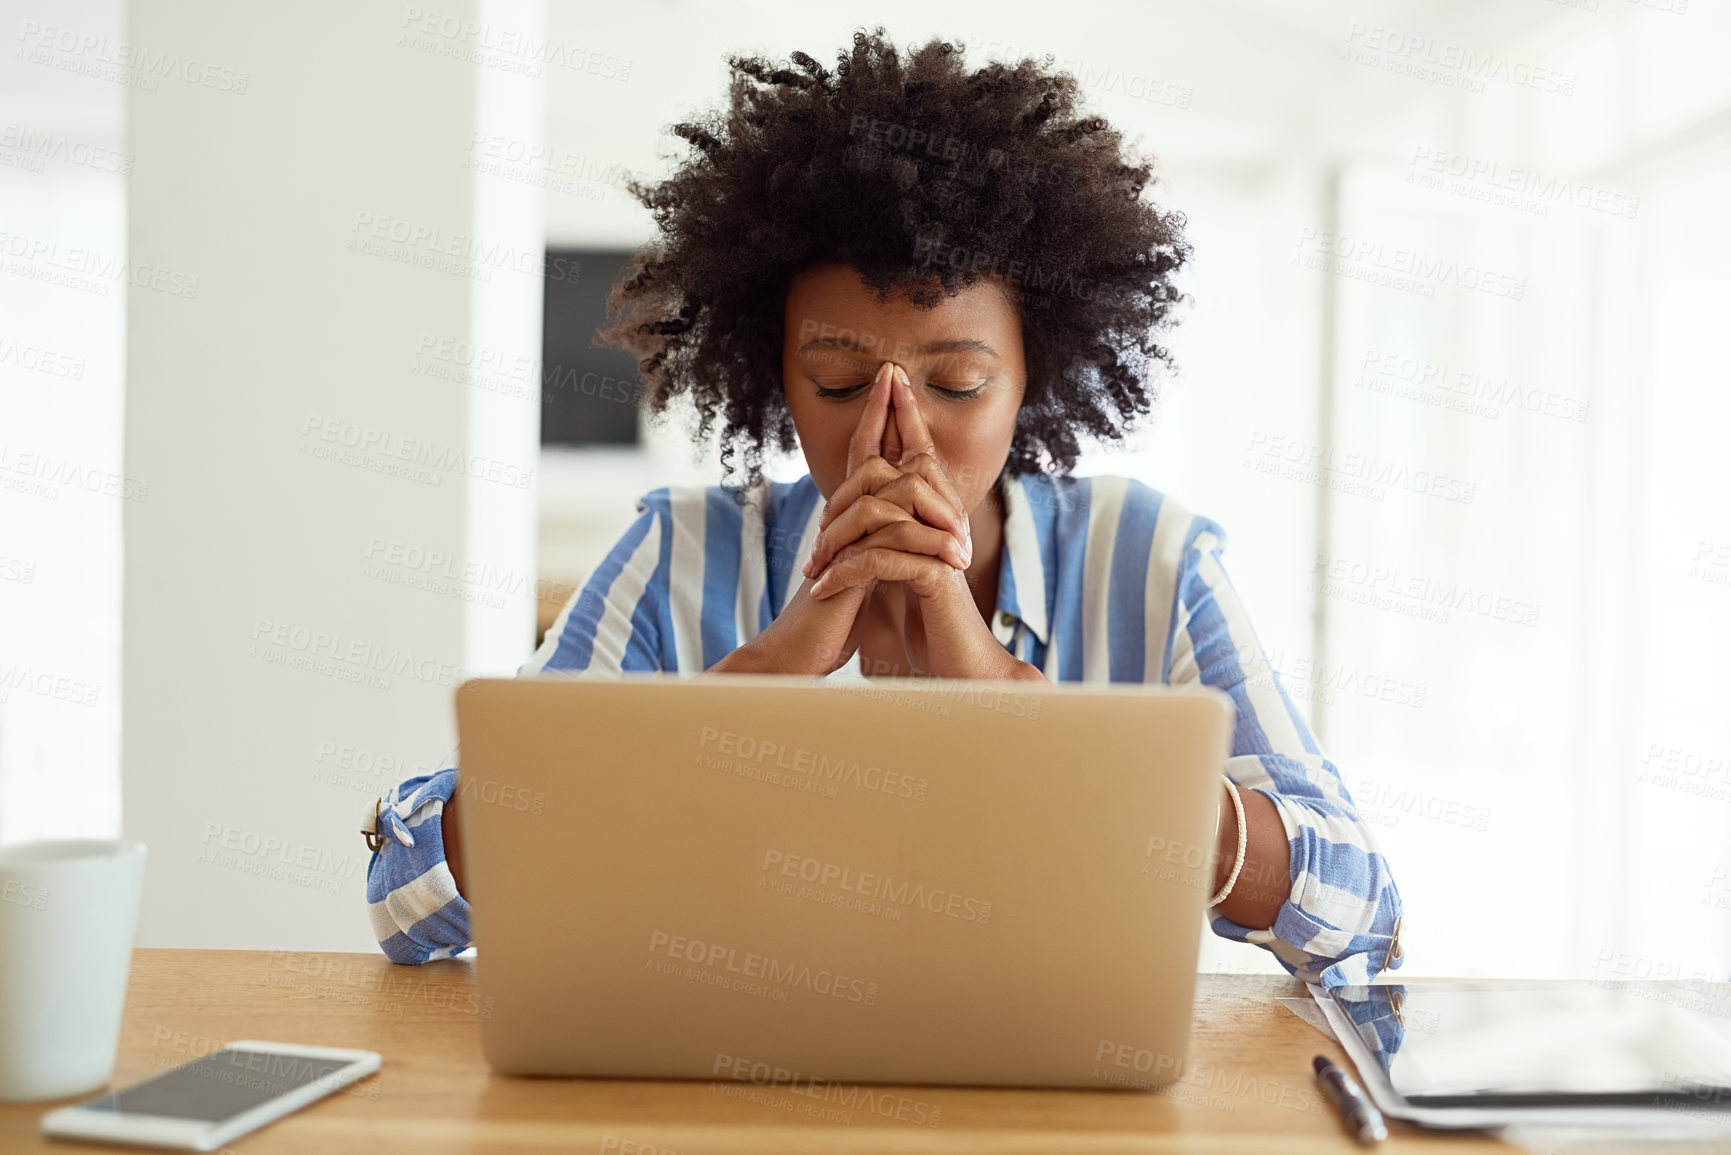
(219, 1086)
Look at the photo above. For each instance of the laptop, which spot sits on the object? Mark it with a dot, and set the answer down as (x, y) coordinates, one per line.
(773, 878)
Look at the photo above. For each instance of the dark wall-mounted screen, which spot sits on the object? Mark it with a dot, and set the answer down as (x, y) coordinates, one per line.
(589, 395)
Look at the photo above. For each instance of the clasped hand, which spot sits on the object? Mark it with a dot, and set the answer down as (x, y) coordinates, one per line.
(904, 525)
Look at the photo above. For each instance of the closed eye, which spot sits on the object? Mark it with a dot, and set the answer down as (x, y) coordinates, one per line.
(978, 387)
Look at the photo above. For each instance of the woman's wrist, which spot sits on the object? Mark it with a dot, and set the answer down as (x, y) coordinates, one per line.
(1020, 671)
(735, 661)
(744, 659)
(760, 656)
(452, 839)
(1264, 883)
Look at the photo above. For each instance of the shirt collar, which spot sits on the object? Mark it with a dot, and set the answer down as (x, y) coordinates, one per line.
(1021, 563)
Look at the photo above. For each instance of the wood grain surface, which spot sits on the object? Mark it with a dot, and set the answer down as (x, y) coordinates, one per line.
(1248, 1087)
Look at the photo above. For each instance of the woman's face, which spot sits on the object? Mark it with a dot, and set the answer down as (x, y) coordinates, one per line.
(963, 359)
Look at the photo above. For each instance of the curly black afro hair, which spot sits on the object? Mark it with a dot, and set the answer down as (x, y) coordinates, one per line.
(926, 177)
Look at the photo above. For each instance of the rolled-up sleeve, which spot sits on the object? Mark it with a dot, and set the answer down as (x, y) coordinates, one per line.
(412, 900)
(1338, 925)
(609, 626)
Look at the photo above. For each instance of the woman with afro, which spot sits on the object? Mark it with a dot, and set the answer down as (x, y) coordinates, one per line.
(932, 281)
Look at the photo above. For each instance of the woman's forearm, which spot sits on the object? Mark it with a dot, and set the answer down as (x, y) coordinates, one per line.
(1265, 882)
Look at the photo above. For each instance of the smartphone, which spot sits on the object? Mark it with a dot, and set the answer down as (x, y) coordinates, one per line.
(203, 1104)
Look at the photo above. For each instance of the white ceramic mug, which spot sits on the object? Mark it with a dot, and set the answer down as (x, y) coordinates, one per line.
(68, 910)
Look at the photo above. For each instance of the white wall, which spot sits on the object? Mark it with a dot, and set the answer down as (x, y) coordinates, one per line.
(63, 290)
(292, 638)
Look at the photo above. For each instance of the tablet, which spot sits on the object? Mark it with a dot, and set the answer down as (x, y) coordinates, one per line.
(1549, 1044)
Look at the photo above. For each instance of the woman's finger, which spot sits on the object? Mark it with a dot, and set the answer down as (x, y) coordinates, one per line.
(876, 521)
(924, 475)
(916, 438)
(867, 514)
(868, 435)
(897, 553)
(912, 537)
(920, 451)
(931, 468)
(866, 443)
(915, 492)
(924, 573)
(930, 496)
(869, 477)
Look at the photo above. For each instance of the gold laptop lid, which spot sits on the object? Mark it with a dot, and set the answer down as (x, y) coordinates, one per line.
(885, 881)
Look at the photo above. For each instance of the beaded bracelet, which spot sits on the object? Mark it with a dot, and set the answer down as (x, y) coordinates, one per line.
(1237, 863)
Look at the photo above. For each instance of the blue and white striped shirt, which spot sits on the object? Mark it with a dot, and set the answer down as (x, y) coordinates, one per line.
(1101, 579)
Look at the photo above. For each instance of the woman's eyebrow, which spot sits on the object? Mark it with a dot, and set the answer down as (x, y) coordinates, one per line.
(852, 344)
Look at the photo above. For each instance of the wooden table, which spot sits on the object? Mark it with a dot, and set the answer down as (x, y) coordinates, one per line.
(1249, 1087)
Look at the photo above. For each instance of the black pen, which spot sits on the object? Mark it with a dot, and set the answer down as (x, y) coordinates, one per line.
(1361, 1114)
